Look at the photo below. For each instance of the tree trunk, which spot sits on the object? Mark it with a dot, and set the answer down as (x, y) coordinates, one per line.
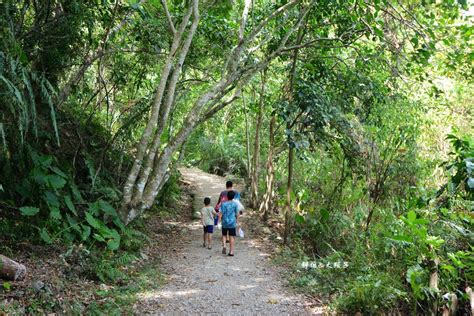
(434, 285)
(11, 270)
(291, 154)
(153, 120)
(164, 111)
(235, 71)
(470, 295)
(247, 139)
(182, 153)
(291, 150)
(265, 206)
(256, 147)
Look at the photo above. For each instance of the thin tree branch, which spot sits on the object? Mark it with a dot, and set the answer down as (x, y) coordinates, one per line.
(168, 17)
(220, 106)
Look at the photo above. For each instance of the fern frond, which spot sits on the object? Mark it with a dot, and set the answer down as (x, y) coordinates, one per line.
(2, 132)
(2, 62)
(13, 90)
(44, 84)
(29, 89)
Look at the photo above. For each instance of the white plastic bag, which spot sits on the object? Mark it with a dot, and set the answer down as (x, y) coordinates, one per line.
(240, 206)
(241, 233)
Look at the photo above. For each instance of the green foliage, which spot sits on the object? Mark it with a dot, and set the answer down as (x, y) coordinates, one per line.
(29, 210)
(61, 212)
(110, 269)
(372, 293)
(17, 83)
(391, 266)
(171, 192)
(219, 153)
(373, 90)
(461, 169)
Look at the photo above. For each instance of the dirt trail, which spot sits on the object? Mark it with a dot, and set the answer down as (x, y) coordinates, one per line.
(205, 281)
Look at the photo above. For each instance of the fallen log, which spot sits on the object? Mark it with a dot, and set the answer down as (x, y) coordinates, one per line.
(11, 270)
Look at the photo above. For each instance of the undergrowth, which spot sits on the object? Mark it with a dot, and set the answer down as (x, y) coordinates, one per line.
(414, 259)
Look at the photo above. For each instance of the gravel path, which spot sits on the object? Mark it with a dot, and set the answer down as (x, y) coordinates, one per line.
(205, 281)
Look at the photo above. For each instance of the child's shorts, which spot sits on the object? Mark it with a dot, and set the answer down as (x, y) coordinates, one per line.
(208, 229)
(231, 231)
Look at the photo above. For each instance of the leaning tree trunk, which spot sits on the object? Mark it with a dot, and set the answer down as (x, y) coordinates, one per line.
(11, 270)
(164, 112)
(162, 162)
(142, 147)
(236, 71)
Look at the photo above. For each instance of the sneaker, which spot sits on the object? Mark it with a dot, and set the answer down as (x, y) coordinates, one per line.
(209, 247)
(204, 245)
(224, 251)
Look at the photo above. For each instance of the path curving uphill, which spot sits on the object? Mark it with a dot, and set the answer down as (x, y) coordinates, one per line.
(202, 281)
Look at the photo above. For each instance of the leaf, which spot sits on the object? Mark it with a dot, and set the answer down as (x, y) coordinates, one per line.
(45, 236)
(118, 222)
(93, 221)
(29, 210)
(107, 208)
(413, 277)
(76, 192)
(86, 232)
(56, 182)
(378, 32)
(114, 243)
(54, 212)
(51, 199)
(420, 221)
(324, 214)
(99, 237)
(299, 218)
(73, 224)
(94, 208)
(455, 260)
(58, 172)
(434, 241)
(449, 268)
(39, 176)
(6, 286)
(404, 238)
(69, 204)
(46, 160)
(411, 216)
